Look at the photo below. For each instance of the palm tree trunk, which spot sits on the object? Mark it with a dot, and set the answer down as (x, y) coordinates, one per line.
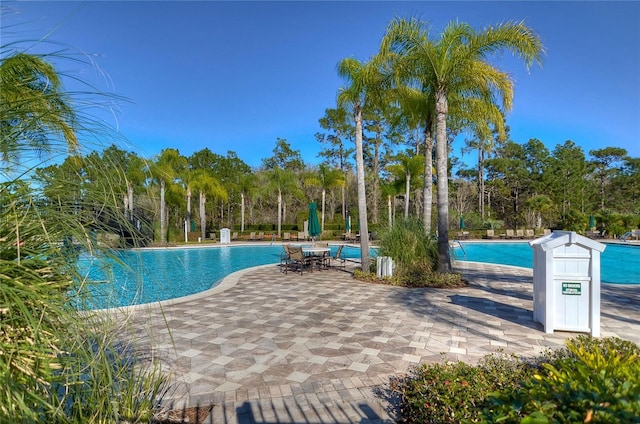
(130, 194)
(323, 200)
(376, 180)
(242, 212)
(406, 196)
(481, 181)
(188, 209)
(389, 210)
(163, 231)
(279, 211)
(203, 215)
(427, 188)
(442, 156)
(362, 195)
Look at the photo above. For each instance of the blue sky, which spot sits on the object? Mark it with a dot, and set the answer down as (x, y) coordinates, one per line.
(238, 75)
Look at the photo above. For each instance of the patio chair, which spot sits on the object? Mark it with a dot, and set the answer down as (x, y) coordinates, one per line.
(252, 236)
(490, 234)
(234, 236)
(297, 261)
(520, 234)
(529, 233)
(510, 234)
(260, 235)
(286, 237)
(285, 258)
(301, 236)
(338, 257)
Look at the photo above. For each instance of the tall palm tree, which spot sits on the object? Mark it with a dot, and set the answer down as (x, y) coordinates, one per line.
(206, 184)
(404, 168)
(457, 64)
(282, 180)
(34, 111)
(364, 81)
(164, 172)
(328, 178)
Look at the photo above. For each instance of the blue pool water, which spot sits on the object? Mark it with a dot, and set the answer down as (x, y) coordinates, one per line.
(131, 277)
(619, 263)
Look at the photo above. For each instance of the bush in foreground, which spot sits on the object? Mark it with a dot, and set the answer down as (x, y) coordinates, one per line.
(456, 392)
(590, 380)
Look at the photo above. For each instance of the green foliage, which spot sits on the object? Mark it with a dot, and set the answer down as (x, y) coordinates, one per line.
(456, 392)
(57, 366)
(412, 249)
(591, 380)
(415, 256)
(573, 220)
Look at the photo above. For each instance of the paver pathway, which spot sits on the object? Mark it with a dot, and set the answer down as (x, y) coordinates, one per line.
(266, 347)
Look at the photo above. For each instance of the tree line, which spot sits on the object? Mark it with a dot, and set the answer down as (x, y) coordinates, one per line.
(385, 153)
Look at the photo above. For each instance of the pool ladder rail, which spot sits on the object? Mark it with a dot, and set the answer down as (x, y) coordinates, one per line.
(452, 246)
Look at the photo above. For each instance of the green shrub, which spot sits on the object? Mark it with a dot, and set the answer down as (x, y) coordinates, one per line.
(455, 392)
(591, 380)
(412, 250)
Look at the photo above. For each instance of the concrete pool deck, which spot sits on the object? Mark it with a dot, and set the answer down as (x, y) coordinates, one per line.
(266, 347)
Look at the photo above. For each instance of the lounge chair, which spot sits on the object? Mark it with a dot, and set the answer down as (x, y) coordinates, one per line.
(301, 236)
(338, 257)
(520, 234)
(490, 234)
(350, 237)
(529, 233)
(252, 236)
(234, 236)
(286, 237)
(546, 231)
(260, 236)
(510, 234)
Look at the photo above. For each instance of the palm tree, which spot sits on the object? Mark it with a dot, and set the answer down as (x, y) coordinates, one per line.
(366, 83)
(327, 179)
(282, 180)
(206, 184)
(34, 110)
(164, 172)
(404, 168)
(456, 65)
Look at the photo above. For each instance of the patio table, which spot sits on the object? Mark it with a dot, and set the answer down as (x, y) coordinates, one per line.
(317, 255)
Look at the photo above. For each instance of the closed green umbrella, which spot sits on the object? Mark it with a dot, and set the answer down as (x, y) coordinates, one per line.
(462, 223)
(592, 222)
(314, 223)
(348, 228)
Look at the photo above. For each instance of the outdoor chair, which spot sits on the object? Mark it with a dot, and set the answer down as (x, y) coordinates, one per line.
(529, 233)
(285, 258)
(520, 234)
(234, 236)
(301, 236)
(510, 234)
(338, 257)
(490, 234)
(260, 235)
(252, 236)
(286, 237)
(297, 261)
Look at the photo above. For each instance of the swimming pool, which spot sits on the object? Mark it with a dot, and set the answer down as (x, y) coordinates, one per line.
(619, 264)
(132, 277)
